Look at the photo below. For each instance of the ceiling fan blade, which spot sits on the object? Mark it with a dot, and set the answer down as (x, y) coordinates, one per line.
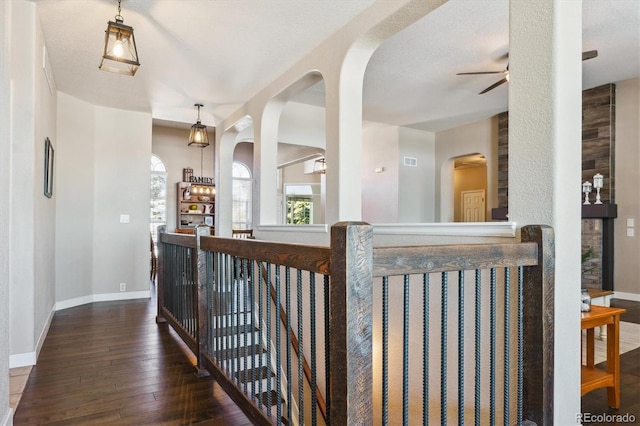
(481, 72)
(590, 54)
(494, 85)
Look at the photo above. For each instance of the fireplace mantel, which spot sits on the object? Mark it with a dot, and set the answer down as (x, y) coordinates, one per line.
(599, 211)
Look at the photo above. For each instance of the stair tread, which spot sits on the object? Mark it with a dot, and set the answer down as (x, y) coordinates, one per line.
(258, 374)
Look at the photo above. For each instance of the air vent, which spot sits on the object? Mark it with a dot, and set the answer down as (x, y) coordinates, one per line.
(411, 161)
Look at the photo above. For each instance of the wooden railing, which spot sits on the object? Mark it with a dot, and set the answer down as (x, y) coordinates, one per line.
(250, 314)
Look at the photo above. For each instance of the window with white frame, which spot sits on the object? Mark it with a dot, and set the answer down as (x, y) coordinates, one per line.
(158, 198)
(241, 196)
(300, 200)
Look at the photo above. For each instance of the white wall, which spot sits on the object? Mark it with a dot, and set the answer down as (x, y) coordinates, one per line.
(416, 185)
(104, 157)
(170, 144)
(75, 198)
(22, 195)
(122, 186)
(32, 230)
(380, 148)
(479, 137)
(5, 166)
(627, 158)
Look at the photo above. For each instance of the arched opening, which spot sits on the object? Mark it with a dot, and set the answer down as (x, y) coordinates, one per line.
(470, 188)
(158, 196)
(241, 196)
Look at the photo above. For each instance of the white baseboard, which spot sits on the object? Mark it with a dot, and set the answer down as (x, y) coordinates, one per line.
(7, 418)
(626, 296)
(45, 331)
(22, 360)
(105, 297)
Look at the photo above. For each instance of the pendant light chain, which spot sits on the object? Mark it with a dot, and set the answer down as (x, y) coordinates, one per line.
(118, 15)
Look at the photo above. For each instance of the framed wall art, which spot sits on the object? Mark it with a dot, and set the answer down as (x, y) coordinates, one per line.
(48, 168)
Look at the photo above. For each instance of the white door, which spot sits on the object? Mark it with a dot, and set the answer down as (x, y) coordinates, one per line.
(473, 206)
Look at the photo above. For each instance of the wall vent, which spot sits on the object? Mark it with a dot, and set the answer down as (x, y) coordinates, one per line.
(411, 161)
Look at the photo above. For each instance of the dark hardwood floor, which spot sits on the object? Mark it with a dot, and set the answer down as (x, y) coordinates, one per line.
(110, 363)
(595, 402)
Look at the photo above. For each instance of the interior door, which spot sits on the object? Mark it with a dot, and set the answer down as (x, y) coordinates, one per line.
(473, 206)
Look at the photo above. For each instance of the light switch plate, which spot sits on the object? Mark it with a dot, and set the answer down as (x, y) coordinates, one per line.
(629, 232)
(630, 222)
(124, 218)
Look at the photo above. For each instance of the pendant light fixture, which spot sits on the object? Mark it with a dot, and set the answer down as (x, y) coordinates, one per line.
(320, 166)
(120, 53)
(198, 135)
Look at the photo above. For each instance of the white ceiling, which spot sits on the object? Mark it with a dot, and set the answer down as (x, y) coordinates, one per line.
(222, 52)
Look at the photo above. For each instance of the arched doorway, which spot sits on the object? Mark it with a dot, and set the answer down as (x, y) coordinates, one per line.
(158, 196)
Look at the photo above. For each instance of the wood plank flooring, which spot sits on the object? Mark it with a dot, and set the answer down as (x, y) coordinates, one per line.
(110, 363)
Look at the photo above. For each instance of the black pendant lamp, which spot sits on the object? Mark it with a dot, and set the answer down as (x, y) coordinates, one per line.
(199, 136)
(120, 53)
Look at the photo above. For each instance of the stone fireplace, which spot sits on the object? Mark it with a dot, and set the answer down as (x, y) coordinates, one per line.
(598, 154)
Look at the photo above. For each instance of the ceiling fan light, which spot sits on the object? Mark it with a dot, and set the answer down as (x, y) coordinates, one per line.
(120, 54)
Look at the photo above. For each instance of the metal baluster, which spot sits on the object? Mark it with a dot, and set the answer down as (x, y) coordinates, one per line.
(405, 355)
(478, 353)
(245, 329)
(520, 342)
(443, 350)
(278, 351)
(460, 348)
(326, 343)
(507, 344)
(385, 350)
(492, 349)
(252, 330)
(314, 334)
(260, 331)
(268, 341)
(425, 349)
(300, 348)
(287, 302)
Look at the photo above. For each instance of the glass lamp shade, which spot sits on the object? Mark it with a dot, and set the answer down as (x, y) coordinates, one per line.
(598, 180)
(120, 52)
(199, 136)
(320, 166)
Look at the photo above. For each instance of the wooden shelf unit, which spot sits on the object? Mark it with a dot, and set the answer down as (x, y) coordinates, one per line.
(198, 195)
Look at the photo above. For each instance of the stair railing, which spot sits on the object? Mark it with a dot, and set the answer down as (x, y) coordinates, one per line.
(333, 306)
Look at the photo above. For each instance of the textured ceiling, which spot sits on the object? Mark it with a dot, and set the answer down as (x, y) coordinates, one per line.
(222, 52)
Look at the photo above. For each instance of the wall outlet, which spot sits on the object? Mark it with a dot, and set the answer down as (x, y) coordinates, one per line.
(123, 286)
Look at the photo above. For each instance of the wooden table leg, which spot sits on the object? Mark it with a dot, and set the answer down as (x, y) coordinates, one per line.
(590, 347)
(613, 361)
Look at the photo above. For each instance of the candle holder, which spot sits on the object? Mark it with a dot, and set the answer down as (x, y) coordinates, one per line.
(597, 184)
(586, 188)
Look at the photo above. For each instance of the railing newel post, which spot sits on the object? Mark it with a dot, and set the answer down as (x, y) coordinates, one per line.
(160, 276)
(538, 317)
(200, 266)
(350, 386)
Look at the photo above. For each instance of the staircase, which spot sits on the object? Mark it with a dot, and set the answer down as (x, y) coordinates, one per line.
(239, 351)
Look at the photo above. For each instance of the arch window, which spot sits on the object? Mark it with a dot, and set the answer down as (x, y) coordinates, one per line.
(241, 196)
(158, 196)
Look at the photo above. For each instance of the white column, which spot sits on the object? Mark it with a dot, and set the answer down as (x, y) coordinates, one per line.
(223, 171)
(545, 162)
(265, 163)
(344, 138)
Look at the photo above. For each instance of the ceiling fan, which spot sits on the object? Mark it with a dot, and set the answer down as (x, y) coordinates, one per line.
(585, 55)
